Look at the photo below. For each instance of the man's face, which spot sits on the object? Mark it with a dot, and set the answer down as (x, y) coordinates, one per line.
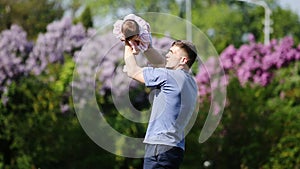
(175, 57)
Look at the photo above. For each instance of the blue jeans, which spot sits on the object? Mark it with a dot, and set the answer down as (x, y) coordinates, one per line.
(162, 157)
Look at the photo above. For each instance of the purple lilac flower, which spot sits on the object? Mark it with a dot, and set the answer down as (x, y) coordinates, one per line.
(210, 78)
(14, 49)
(253, 62)
(61, 37)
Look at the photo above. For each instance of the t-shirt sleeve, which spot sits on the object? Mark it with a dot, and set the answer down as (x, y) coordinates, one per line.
(154, 77)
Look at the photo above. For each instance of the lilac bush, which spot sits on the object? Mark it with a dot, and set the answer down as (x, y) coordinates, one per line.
(14, 49)
(103, 55)
(211, 77)
(19, 57)
(62, 37)
(253, 62)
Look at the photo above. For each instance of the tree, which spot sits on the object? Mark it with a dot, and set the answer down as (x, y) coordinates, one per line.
(230, 23)
(32, 15)
(285, 22)
(225, 22)
(104, 10)
(86, 18)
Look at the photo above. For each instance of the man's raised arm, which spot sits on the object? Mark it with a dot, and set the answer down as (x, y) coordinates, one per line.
(133, 70)
(154, 57)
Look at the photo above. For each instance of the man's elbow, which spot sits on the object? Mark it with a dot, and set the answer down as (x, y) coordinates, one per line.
(136, 74)
(132, 73)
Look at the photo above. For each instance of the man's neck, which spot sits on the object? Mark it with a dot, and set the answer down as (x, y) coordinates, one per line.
(183, 67)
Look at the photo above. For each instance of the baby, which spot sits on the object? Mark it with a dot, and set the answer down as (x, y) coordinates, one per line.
(135, 31)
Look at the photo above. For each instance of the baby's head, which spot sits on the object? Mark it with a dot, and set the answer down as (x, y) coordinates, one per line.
(130, 28)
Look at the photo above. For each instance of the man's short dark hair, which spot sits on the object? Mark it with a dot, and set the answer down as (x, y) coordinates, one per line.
(130, 28)
(189, 48)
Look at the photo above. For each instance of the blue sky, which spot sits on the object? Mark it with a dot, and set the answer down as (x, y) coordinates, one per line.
(294, 5)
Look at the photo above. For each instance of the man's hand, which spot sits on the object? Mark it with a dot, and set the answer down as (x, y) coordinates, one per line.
(128, 49)
(127, 43)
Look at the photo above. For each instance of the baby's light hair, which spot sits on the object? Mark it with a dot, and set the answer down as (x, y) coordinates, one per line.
(130, 28)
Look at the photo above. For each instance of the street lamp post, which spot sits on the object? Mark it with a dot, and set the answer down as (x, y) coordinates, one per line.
(267, 21)
(189, 19)
(188, 15)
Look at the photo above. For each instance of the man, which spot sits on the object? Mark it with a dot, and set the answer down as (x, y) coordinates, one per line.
(173, 104)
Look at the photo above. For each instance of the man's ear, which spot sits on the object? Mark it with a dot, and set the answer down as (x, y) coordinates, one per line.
(184, 60)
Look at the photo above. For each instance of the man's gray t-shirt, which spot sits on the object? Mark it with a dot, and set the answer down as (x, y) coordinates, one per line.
(173, 104)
